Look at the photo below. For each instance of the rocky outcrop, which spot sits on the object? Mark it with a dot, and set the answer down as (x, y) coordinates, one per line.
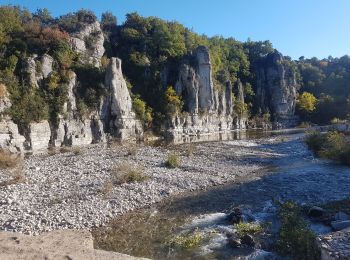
(209, 108)
(115, 116)
(10, 139)
(116, 110)
(62, 244)
(37, 68)
(276, 89)
(88, 41)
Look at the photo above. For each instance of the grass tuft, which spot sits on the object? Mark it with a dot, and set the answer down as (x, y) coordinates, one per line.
(127, 173)
(173, 161)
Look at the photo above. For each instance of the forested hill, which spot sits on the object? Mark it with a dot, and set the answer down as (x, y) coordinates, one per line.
(147, 46)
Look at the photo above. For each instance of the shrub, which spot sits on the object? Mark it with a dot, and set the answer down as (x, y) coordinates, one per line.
(314, 141)
(142, 111)
(131, 150)
(334, 144)
(248, 229)
(190, 150)
(240, 108)
(173, 102)
(76, 150)
(173, 161)
(8, 160)
(126, 173)
(187, 241)
(16, 177)
(295, 237)
(29, 106)
(344, 156)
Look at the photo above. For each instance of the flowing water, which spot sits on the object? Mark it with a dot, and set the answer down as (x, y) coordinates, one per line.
(294, 174)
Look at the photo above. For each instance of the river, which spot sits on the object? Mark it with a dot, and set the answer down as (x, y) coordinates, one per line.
(292, 175)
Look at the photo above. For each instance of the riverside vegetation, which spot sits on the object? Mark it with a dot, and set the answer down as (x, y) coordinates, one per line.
(332, 145)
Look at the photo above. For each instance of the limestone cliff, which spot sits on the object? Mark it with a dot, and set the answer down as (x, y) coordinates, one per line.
(276, 89)
(208, 108)
(116, 109)
(88, 42)
(115, 116)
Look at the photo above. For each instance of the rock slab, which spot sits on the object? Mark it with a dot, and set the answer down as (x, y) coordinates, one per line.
(62, 244)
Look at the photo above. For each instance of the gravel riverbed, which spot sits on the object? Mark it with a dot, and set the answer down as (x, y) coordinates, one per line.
(72, 190)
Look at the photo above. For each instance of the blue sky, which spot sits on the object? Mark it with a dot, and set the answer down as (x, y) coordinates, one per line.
(295, 27)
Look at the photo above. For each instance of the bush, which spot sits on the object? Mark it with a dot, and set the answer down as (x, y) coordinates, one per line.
(187, 241)
(142, 111)
(173, 161)
(8, 160)
(29, 106)
(295, 237)
(173, 102)
(248, 229)
(332, 145)
(315, 141)
(126, 173)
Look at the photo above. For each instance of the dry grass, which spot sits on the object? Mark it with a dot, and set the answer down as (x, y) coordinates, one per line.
(3, 91)
(127, 173)
(132, 150)
(173, 161)
(190, 150)
(107, 188)
(75, 150)
(8, 160)
(17, 176)
(65, 149)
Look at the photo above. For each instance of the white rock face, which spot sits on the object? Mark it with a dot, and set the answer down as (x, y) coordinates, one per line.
(10, 139)
(277, 89)
(34, 74)
(90, 53)
(210, 109)
(46, 65)
(71, 105)
(116, 109)
(39, 136)
(206, 85)
(30, 70)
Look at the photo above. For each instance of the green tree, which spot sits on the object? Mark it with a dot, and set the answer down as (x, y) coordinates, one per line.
(173, 102)
(307, 102)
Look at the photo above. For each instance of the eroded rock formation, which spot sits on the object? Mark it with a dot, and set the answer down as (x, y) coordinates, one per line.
(115, 116)
(276, 90)
(209, 108)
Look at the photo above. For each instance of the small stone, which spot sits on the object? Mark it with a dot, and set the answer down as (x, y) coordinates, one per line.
(340, 225)
(235, 243)
(316, 212)
(248, 240)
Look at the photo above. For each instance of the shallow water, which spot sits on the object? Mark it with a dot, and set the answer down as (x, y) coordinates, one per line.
(294, 174)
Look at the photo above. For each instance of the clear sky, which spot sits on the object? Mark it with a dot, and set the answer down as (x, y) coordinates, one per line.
(295, 27)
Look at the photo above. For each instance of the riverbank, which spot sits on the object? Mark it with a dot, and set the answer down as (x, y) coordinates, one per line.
(294, 175)
(73, 190)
